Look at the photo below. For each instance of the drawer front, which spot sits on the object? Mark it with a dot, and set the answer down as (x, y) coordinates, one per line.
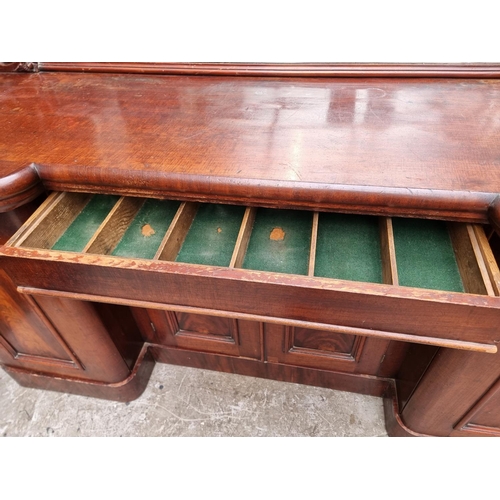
(341, 308)
(292, 268)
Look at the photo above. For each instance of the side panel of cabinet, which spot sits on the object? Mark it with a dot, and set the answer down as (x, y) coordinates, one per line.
(457, 395)
(59, 336)
(87, 336)
(484, 417)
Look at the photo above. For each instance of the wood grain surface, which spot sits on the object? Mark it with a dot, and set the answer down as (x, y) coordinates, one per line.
(378, 145)
(361, 70)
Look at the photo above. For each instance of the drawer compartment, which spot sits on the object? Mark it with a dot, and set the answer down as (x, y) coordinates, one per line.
(425, 256)
(144, 234)
(401, 279)
(349, 248)
(280, 242)
(212, 235)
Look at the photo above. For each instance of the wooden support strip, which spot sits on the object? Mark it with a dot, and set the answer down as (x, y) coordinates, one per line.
(314, 241)
(469, 259)
(240, 248)
(53, 220)
(349, 330)
(176, 233)
(34, 220)
(113, 227)
(488, 258)
(388, 252)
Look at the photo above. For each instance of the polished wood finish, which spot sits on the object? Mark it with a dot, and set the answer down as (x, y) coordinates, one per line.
(387, 140)
(19, 184)
(283, 69)
(268, 141)
(452, 387)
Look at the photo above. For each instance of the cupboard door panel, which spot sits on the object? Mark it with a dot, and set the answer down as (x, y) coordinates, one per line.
(86, 337)
(325, 342)
(324, 350)
(200, 325)
(23, 330)
(200, 332)
(58, 336)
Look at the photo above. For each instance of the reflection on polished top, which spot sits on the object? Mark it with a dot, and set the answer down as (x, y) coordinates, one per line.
(132, 130)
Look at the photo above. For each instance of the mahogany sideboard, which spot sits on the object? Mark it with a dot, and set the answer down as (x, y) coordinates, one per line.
(332, 225)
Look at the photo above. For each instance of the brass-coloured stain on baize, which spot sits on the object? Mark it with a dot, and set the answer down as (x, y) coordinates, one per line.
(147, 231)
(277, 234)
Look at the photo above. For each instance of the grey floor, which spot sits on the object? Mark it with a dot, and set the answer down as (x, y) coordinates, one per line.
(183, 401)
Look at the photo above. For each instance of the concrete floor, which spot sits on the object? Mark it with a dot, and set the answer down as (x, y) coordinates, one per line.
(183, 401)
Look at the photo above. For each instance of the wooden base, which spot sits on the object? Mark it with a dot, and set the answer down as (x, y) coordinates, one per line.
(134, 385)
(126, 390)
(394, 425)
(362, 384)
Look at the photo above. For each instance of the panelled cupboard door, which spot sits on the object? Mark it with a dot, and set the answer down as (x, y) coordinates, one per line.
(58, 336)
(87, 336)
(272, 343)
(200, 332)
(323, 349)
(27, 338)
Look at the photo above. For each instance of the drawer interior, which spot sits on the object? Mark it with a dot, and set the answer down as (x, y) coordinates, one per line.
(79, 232)
(401, 252)
(212, 235)
(425, 255)
(349, 248)
(280, 241)
(145, 232)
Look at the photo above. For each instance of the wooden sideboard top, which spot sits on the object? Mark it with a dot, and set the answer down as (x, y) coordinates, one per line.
(415, 146)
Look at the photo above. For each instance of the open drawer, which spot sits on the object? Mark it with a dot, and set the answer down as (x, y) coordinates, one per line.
(422, 281)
